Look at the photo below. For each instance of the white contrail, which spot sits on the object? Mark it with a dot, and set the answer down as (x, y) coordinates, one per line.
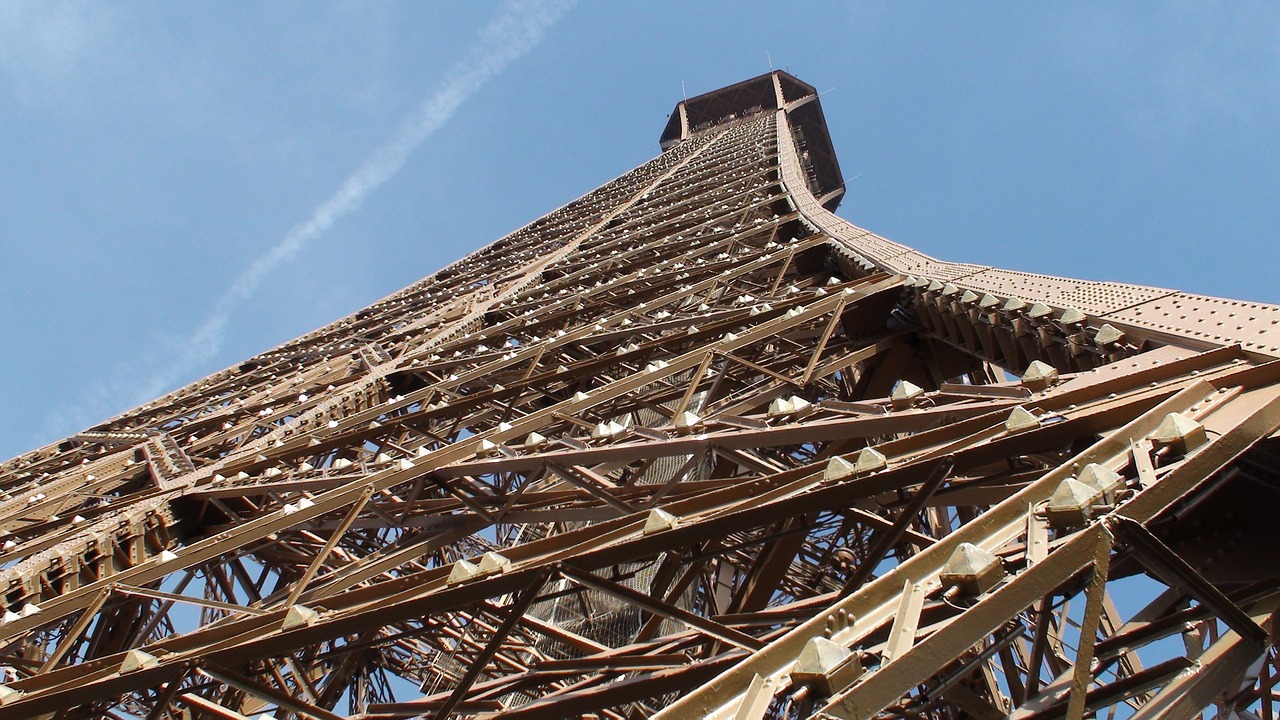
(516, 29)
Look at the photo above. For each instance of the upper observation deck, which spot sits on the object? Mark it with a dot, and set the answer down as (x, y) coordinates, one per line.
(770, 92)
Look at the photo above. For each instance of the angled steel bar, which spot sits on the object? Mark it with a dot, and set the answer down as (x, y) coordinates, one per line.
(1175, 571)
(1082, 672)
(890, 537)
(270, 695)
(712, 628)
(514, 613)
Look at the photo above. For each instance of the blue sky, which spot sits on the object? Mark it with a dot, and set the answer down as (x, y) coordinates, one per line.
(184, 185)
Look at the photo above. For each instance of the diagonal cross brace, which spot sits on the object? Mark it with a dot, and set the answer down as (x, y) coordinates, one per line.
(1174, 571)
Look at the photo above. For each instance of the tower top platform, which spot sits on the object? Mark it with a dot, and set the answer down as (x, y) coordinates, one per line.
(773, 91)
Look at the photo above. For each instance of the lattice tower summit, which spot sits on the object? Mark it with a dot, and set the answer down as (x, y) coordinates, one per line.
(691, 446)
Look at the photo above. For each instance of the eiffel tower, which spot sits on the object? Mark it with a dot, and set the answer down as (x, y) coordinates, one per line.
(690, 446)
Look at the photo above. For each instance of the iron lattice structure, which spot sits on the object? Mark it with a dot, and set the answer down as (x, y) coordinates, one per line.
(689, 446)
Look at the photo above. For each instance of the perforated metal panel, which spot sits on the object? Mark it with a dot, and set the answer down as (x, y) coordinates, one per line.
(1254, 325)
(1090, 297)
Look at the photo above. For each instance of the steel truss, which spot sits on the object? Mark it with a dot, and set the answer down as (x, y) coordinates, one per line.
(689, 446)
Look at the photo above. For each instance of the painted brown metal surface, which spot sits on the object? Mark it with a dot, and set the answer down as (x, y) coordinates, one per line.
(690, 446)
